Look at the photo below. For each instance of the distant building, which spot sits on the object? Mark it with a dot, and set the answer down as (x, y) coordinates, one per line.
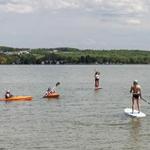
(11, 53)
(55, 50)
(23, 52)
(42, 63)
(57, 63)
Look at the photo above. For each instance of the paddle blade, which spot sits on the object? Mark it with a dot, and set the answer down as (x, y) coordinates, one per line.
(57, 83)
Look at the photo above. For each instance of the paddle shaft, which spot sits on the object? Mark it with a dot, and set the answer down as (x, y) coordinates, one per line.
(56, 85)
(145, 100)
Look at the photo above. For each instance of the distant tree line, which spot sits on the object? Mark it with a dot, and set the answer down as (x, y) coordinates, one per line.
(73, 56)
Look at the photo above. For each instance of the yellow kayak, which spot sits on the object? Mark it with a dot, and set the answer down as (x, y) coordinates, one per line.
(17, 98)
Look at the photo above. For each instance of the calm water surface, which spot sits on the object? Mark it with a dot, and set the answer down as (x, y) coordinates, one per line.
(81, 119)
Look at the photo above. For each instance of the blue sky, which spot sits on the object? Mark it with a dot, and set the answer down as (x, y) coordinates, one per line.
(97, 24)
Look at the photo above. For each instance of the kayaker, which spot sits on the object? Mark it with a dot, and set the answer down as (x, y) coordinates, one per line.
(136, 95)
(8, 94)
(97, 76)
(49, 91)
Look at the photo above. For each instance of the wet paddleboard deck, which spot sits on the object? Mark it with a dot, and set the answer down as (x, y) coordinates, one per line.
(128, 111)
(17, 98)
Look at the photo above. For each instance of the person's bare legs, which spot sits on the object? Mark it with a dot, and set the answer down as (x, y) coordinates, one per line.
(132, 105)
(97, 83)
(138, 106)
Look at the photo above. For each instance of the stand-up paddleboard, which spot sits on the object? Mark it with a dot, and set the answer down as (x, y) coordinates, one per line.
(97, 88)
(128, 111)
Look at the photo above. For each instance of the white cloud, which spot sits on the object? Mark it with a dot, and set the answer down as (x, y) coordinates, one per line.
(116, 11)
(18, 8)
(88, 22)
(134, 21)
(113, 5)
(108, 10)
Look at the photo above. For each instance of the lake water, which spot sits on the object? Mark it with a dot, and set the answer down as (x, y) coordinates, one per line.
(81, 119)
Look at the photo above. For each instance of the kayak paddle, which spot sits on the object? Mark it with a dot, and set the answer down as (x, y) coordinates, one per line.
(58, 83)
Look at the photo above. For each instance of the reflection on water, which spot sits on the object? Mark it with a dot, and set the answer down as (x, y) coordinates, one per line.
(135, 130)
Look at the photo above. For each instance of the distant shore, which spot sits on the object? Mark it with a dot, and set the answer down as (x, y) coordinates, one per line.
(66, 55)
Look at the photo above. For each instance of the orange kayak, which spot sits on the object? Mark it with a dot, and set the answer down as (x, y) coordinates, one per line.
(17, 98)
(52, 95)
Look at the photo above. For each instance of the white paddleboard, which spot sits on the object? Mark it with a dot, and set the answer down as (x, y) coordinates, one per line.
(128, 111)
(97, 88)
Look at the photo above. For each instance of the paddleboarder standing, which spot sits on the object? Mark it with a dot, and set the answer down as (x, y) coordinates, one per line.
(136, 95)
(97, 77)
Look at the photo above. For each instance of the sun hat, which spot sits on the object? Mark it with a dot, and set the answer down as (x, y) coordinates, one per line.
(135, 81)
